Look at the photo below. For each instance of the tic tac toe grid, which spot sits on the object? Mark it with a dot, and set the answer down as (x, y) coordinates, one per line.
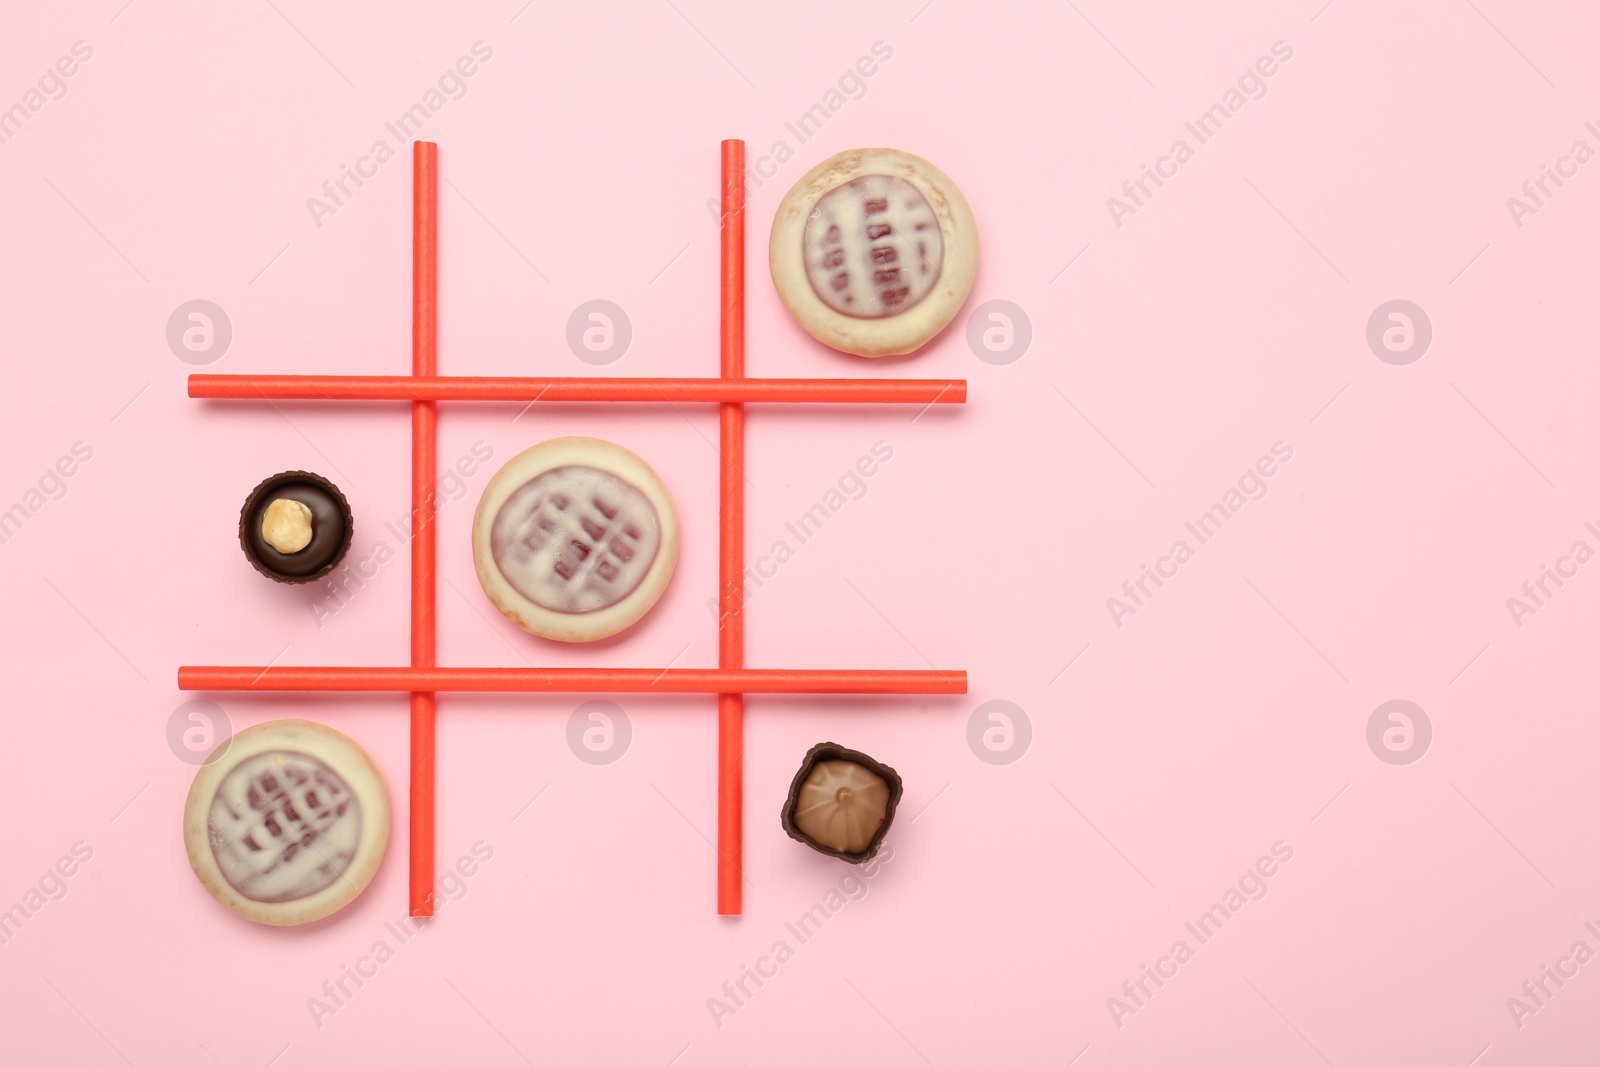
(425, 387)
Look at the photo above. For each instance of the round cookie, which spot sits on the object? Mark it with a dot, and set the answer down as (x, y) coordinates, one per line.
(874, 251)
(575, 539)
(287, 822)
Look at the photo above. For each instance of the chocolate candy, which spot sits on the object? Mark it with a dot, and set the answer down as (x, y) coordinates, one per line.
(288, 824)
(575, 539)
(841, 802)
(271, 525)
(874, 251)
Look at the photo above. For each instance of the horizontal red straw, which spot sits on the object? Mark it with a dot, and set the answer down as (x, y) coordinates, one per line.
(646, 390)
(566, 680)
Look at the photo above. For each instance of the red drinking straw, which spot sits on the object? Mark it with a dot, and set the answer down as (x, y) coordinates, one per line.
(424, 478)
(430, 680)
(730, 649)
(659, 390)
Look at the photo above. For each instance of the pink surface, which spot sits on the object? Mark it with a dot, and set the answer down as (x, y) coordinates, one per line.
(1173, 346)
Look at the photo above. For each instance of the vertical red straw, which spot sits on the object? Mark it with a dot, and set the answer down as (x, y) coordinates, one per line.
(424, 475)
(730, 706)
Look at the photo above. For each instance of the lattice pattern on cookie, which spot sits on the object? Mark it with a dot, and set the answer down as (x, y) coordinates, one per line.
(283, 826)
(575, 539)
(873, 247)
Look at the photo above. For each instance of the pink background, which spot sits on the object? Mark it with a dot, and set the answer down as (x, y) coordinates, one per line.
(1168, 353)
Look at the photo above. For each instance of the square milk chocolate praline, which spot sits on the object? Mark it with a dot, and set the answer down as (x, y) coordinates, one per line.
(841, 802)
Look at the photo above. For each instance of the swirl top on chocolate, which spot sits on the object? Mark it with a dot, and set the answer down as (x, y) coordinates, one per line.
(841, 805)
(575, 539)
(873, 247)
(283, 826)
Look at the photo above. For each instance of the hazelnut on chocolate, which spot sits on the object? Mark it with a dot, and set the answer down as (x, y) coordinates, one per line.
(295, 527)
(286, 525)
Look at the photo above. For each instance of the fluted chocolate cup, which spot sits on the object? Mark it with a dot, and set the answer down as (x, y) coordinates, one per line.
(323, 506)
